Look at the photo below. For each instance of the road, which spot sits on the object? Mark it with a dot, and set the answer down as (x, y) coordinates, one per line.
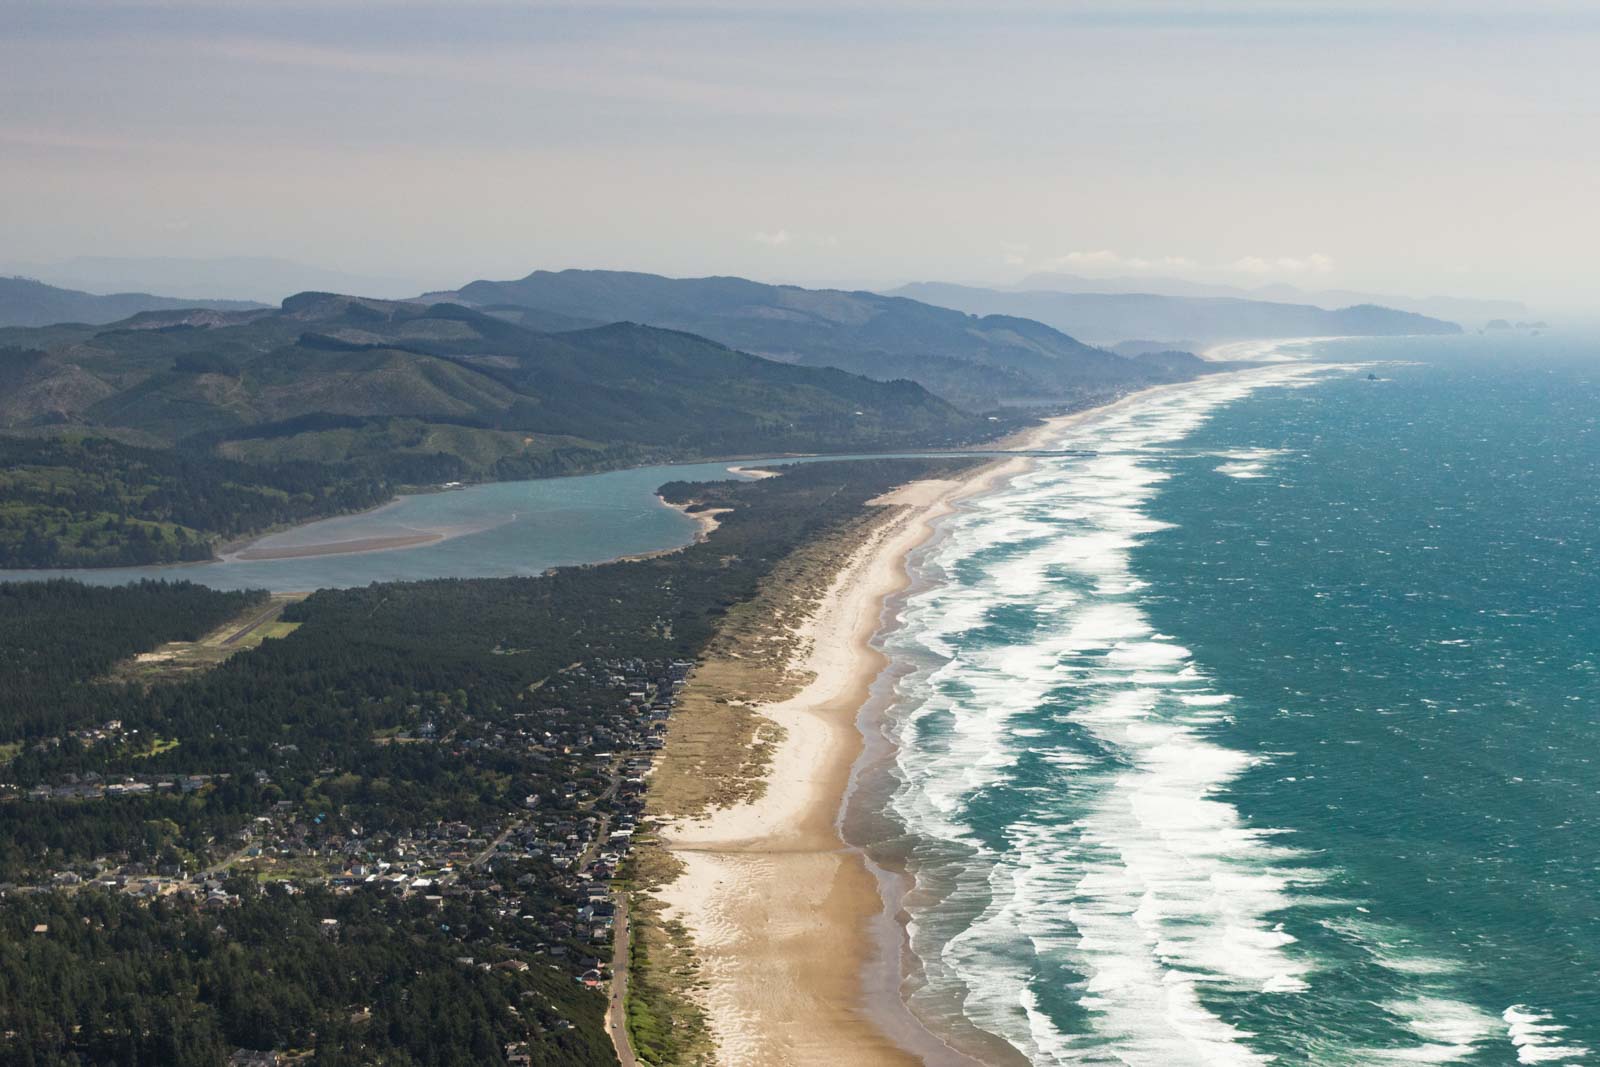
(268, 614)
(617, 1010)
(488, 853)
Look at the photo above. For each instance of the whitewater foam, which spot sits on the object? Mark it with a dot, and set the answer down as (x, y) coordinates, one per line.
(1536, 1036)
(1084, 889)
(1125, 882)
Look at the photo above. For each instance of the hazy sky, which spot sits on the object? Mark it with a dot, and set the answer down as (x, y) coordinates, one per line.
(1414, 146)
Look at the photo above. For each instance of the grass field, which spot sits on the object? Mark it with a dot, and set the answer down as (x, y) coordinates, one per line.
(157, 747)
(261, 622)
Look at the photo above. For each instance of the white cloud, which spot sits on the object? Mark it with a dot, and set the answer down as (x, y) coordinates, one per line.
(779, 238)
(1315, 263)
(1106, 258)
(1102, 257)
(1105, 261)
(1013, 253)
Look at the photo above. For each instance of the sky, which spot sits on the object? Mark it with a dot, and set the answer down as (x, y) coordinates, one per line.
(1414, 146)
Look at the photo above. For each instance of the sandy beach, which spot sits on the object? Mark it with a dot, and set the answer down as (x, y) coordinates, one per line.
(335, 548)
(778, 906)
(780, 909)
(705, 520)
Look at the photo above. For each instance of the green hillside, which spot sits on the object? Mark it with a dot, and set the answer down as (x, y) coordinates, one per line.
(332, 401)
(980, 363)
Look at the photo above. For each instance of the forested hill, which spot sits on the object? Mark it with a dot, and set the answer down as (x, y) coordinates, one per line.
(330, 402)
(1112, 317)
(977, 362)
(25, 302)
(332, 378)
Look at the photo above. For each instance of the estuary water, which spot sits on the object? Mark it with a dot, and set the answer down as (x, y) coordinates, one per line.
(497, 530)
(1270, 733)
(500, 530)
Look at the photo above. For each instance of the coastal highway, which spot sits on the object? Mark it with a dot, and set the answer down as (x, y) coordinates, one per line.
(617, 1010)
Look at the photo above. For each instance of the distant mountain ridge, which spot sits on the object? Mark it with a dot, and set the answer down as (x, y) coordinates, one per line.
(1109, 318)
(339, 379)
(254, 278)
(1466, 310)
(978, 362)
(26, 302)
(152, 438)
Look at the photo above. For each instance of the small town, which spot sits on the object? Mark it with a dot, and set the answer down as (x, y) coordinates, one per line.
(570, 841)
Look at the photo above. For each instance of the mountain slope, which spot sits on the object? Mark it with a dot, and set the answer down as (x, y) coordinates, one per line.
(978, 362)
(326, 363)
(263, 278)
(25, 302)
(1451, 308)
(1112, 317)
(330, 401)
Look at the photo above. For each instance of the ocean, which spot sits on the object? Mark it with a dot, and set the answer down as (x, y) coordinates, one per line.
(1270, 733)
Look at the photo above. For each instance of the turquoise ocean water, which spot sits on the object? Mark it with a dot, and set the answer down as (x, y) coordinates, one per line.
(1271, 734)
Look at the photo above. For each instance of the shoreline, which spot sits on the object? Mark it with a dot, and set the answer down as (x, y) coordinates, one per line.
(795, 931)
(800, 932)
(777, 904)
(705, 522)
(892, 962)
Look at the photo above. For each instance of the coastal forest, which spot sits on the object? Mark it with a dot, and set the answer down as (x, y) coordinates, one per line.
(376, 839)
(95, 502)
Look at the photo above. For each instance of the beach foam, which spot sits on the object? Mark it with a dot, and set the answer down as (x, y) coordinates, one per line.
(1536, 1036)
(1120, 889)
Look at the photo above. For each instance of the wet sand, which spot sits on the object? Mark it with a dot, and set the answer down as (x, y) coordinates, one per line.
(335, 548)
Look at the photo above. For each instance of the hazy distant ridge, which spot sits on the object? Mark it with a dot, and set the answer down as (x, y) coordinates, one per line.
(979, 362)
(1106, 318)
(1469, 311)
(25, 302)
